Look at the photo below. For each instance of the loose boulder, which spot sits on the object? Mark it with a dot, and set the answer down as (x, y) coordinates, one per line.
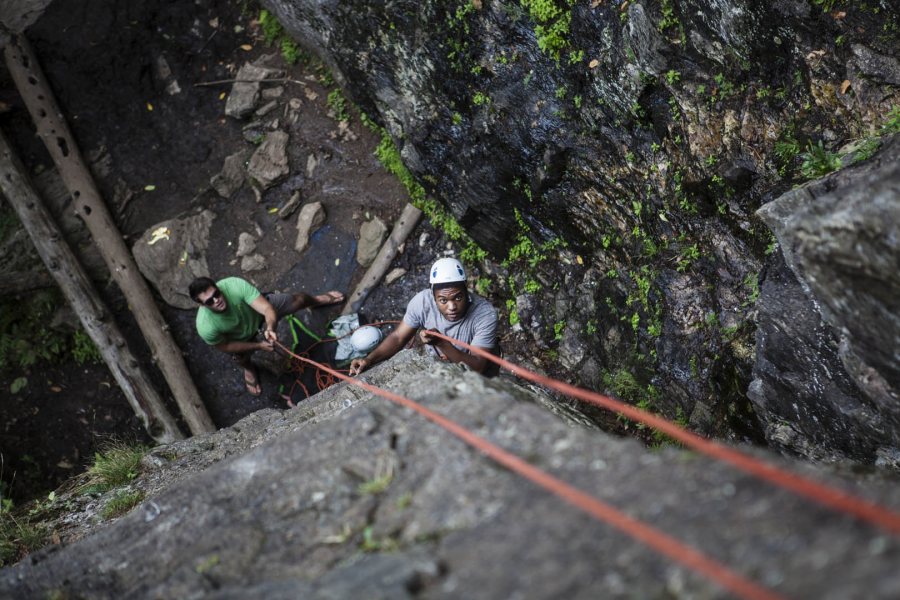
(231, 178)
(171, 254)
(270, 161)
(253, 262)
(245, 92)
(311, 217)
(246, 244)
(371, 235)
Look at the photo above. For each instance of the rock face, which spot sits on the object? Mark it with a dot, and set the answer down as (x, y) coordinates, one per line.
(171, 254)
(827, 378)
(644, 138)
(352, 496)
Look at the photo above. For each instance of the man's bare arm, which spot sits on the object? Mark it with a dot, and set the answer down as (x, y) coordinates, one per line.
(392, 344)
(476, 363)
(265, 308)
(235, 347)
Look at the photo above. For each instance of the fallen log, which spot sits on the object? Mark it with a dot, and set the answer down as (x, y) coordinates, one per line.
(402, 228)
(54, 132)
(84, 299)
(22, 282)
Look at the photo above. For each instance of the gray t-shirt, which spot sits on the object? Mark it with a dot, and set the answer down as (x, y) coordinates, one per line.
(478, 327)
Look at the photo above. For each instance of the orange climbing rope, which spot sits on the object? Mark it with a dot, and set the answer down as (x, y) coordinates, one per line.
(813, 490)
(323, 379)
(652, 537)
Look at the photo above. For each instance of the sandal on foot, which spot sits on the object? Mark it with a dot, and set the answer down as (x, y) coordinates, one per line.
(252, 384)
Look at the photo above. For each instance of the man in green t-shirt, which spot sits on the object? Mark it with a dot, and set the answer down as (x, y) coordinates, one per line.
(232, 311)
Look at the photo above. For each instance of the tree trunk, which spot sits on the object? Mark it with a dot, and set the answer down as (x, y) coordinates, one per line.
(54, 131)
(84, 299)
(402, 228)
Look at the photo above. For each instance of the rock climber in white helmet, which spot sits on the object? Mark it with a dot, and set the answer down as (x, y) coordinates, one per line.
(448, 308)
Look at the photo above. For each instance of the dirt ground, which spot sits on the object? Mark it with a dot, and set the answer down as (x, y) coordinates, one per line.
(103, 58)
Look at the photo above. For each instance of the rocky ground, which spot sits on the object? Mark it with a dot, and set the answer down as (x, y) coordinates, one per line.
(166, 151)
(350, 495)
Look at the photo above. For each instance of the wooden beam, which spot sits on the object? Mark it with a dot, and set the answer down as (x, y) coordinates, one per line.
(402, 228)
(84, 299)
(54, 132)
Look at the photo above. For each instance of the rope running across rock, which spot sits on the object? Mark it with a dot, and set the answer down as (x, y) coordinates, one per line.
(648, 535)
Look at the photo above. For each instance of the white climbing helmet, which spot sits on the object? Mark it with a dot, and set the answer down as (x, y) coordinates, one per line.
(365, 338)
(447, 270)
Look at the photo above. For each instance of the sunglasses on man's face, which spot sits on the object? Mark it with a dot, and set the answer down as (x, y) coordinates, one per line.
(212, 299)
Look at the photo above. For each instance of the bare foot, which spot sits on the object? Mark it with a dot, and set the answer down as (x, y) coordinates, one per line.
(328, 298)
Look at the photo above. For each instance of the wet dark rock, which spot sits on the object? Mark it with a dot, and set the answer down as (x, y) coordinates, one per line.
(835, 297)
(572, 348)
(255, 132)
(646, 42)
(646, 147)
(276, 507)
(802, 393)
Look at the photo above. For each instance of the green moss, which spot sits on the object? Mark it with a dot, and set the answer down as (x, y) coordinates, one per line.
(389, 156)
(669, 19)
(481, 99)
(25, 335)
(688, 256)
(892, 121)
(818, 161)
(84, 350)
(290, 51)
(558, 328)
(117, 465)
(270, 26)
(122, 502)
(371, 544)
(552, 20)
(532, 286)
(513, 313)
(375, 486)
(624, 386)
(866, 149)
(338, 105)
(274, 34)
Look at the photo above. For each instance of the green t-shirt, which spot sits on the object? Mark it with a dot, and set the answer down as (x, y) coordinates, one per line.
(239, 322)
